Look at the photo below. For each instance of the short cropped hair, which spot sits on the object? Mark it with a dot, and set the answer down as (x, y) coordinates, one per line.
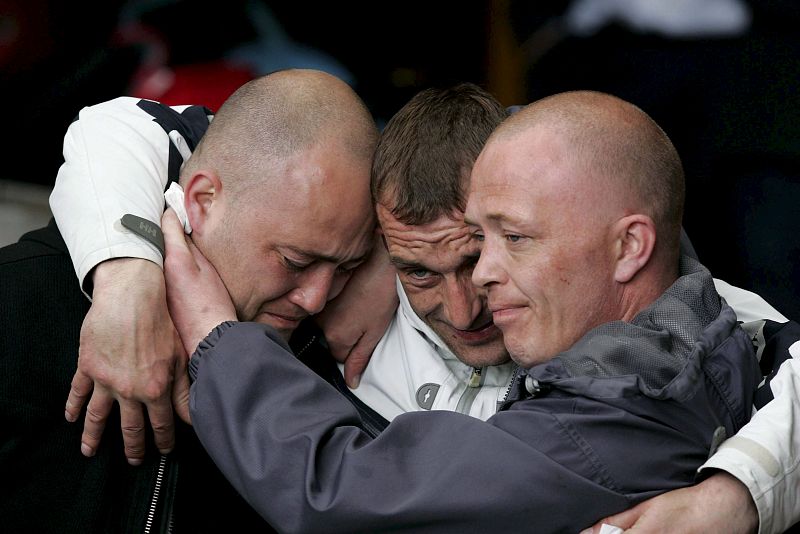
(426, 152)
(275, 116)
(618, 140)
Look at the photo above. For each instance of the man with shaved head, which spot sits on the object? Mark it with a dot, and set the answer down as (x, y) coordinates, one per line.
(263, 193)
(622, 347)
(592, 200)
(285, 150)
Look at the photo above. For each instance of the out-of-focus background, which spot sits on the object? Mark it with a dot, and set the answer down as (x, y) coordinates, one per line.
(720, 76)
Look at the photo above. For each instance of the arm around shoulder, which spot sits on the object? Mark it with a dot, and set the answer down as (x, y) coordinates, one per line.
(115, 162)
(765, 454)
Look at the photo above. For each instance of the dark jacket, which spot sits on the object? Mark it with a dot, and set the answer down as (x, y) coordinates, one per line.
(630, 412)
(46, 484)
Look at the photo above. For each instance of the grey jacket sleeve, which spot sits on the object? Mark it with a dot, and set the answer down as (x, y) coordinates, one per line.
(292, 446)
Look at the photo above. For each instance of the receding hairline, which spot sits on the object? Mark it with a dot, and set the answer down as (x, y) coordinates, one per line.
(619, 140)
(571, 109)
(278, 115)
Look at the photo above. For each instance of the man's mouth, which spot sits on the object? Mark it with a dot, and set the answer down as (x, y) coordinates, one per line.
(505, 314)
(280, 321)
(479, 334)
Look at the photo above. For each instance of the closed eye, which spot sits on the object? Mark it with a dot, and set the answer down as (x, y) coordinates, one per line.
(347, 269)
(292, 265)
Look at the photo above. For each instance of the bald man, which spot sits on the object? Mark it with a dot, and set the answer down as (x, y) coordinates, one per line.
(262, 193)
(619, 399)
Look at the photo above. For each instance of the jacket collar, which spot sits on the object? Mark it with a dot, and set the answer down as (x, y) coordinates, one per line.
(670, 337)
(420, 325)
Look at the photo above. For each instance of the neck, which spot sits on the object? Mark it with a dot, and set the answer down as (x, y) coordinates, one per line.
(644, 289)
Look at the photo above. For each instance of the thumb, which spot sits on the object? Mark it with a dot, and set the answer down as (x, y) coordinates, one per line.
(355, 364)
(174, 237)
(180, 391)
(623, 520)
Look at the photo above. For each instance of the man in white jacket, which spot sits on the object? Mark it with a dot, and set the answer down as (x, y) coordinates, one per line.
(439, 339)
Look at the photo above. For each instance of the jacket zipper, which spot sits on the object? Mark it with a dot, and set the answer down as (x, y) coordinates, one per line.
(510, 384)
(162, 465)
(471, 390)
(305, 348)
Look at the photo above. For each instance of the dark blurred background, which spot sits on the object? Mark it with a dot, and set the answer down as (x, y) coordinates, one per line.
(720, 76)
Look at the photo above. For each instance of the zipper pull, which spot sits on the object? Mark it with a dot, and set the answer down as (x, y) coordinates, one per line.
(475, 377)
(534, 387)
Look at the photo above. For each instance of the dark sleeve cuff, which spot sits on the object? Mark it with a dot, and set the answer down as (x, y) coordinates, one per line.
(206, 344)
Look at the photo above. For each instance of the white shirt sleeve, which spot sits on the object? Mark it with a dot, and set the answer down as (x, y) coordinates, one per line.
(749, 307)
(115, 162)
(765, 454)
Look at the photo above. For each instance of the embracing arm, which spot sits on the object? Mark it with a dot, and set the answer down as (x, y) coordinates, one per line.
(765, 454)
(117, 160)
(718, 504)
(292, 446)
(295, 449)
(754, 488)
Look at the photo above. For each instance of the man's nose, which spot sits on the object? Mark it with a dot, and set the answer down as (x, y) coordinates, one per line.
(488, 270)
(313, 289)
(461, 302)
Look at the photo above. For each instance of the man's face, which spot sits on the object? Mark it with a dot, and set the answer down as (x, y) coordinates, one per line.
(546, 259)
(434, 262)
(284, 252)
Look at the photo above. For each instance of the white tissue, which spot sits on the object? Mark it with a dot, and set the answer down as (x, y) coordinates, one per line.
(609, 529)
(174, 198)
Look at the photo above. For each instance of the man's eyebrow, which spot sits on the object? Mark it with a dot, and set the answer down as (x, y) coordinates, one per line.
(400, 263)
(470, 222)
(313, 256)
(496, 217)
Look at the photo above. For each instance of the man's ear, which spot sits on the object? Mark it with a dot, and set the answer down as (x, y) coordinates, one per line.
(202, 191)
(635, 241)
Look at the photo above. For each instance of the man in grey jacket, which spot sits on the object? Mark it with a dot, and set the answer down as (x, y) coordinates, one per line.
(631, 406)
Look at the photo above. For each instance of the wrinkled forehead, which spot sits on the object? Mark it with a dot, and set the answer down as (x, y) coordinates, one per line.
(446, 236)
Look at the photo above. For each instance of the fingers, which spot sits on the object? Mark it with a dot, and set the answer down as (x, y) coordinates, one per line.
(355, 364)
(161, 419)
(359, 357)
(79, 391)
(339, 349)
(132, 425)
(133, 436)
(96, 415)
(623, 520)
